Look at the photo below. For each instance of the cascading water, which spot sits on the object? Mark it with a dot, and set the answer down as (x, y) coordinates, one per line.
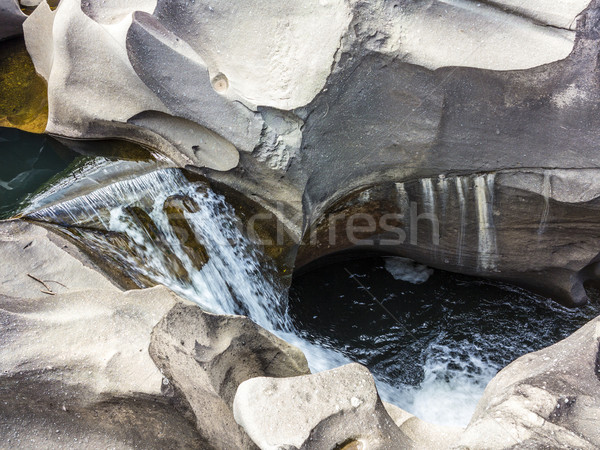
(129, 222)
(162, 228)
(433, 341)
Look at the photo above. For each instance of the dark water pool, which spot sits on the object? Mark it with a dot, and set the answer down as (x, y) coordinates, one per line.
(433, 346)
(28, 162)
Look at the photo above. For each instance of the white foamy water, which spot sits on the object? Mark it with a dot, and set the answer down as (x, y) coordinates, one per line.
(237, 279)
(454, 381)
(407, 270)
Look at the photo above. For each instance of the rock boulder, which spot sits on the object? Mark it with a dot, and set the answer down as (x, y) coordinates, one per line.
(325, 410)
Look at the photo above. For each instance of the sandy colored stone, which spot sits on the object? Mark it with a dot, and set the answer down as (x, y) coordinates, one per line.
(207, 356)
(324, 410)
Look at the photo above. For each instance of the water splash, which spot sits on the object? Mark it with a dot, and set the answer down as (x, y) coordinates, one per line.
(127, 221)
(454, 380)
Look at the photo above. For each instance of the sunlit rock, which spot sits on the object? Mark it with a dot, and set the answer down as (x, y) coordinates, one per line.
(302, 107)
(74, 352)
(206, 357)
(325, 410)
(479, 34)
(272, 53)
(424, 435)
(82, 361)
(193, 97)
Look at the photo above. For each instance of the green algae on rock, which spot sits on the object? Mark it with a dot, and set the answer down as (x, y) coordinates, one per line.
(23, 93)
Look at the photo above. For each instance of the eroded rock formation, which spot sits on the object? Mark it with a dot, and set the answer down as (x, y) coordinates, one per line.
(207, 357)
(549, 398)
(472, 128)
(303, 107)
(11, 19)
(324, 410)
(86, 363)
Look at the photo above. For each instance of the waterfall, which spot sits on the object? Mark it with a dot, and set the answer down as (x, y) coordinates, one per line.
(165, 229)
(484, 197)
(230, 283)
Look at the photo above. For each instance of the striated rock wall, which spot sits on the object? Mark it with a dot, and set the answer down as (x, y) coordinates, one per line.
(301, 106)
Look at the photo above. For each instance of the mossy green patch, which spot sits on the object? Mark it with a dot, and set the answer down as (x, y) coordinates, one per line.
(23, 93)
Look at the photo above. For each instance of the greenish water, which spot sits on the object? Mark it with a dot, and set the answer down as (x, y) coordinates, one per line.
(28, 162)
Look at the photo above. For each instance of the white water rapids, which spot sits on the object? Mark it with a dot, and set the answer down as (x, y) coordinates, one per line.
(237, 279)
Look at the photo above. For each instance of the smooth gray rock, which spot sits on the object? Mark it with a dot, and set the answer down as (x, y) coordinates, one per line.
(323, 410)
(275, 54)
(425, 436)
(382, 125)
(74, 362)
(11, 19)
(180, 78)
(83, 362)
(206, 357)
(304, 108)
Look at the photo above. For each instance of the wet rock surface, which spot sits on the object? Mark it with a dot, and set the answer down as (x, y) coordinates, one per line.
(508, 225)
(83, 362)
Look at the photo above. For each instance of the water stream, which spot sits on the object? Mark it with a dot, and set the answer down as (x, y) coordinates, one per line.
(448, 335)
(433, 339)
(137, 223)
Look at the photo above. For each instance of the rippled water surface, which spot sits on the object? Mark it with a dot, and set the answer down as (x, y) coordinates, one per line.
(432, 346)
(28, 161)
